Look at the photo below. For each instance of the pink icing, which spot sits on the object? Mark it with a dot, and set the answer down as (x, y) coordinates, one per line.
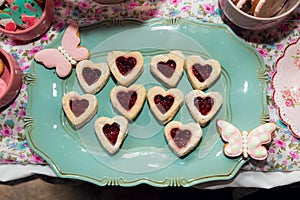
(54, 58)
(70, 42)
(246, 143)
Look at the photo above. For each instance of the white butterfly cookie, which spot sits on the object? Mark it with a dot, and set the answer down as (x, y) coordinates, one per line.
(245, 143)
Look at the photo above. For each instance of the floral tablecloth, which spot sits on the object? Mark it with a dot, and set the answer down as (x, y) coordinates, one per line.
(284, 152)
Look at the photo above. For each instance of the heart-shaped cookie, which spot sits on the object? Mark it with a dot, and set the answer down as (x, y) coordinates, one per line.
(79, 109)
(164, 104)
(168, 69)
(202, 73)
(111, 132)
(182, 138)
(92, 77)
(126, 67)
(128, 100)
(203, 106)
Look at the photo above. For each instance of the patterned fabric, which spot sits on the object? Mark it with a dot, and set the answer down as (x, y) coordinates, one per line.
(284, 150)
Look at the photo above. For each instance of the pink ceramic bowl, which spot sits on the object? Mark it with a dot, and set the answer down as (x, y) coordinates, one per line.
(10, 79)
(250, 22)
(37, 29)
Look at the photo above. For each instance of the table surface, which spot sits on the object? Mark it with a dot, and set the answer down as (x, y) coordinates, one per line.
(14, 150)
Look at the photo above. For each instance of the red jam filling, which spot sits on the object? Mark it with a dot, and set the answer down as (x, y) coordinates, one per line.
(163, 103)
(180, 137)
(201, 72)
(204, 105)
(167, 68)
(127, 99)
(111, 132)
(78, 106)
(91, 75)
(125, 65)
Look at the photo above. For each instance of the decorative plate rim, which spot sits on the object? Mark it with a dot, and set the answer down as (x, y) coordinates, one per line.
(283, 117)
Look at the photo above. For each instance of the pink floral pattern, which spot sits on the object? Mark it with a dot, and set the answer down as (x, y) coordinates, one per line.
(284, 149)
(291, 96)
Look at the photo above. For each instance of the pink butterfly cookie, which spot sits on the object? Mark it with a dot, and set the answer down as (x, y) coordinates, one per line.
(128, 100)
(203, 106)
(111, 132)
(182, 138)
(168, 69)
(65, 55)
(126, 67)
(92, 77)
(164, 104)
(79, 109)
(245, 143)
(202, 73)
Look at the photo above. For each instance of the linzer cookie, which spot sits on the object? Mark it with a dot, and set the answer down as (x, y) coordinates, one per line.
(182, 138)
(128, 101)
(203, 106)
(164, 104)
(111, 132)
(92, 77)
(168, 69)
(125, 67)
(202, 73)
(79, 109)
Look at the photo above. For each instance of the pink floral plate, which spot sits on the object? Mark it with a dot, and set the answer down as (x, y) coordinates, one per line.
(286, 83)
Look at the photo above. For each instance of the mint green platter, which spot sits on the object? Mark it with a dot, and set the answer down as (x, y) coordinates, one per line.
(145, 156)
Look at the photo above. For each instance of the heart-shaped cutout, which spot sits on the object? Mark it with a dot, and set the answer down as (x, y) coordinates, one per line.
(125, 67)
(79, 109)
(202, 73)
(128, 100)
(111, 132)
(164, 104)
(182, 138)
(203, 106)
(168, 69)
(92, 77)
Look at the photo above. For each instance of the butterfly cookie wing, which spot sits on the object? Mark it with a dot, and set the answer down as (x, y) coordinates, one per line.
(70, 42)
(52, 58)
(258, 137)
(233, 138)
